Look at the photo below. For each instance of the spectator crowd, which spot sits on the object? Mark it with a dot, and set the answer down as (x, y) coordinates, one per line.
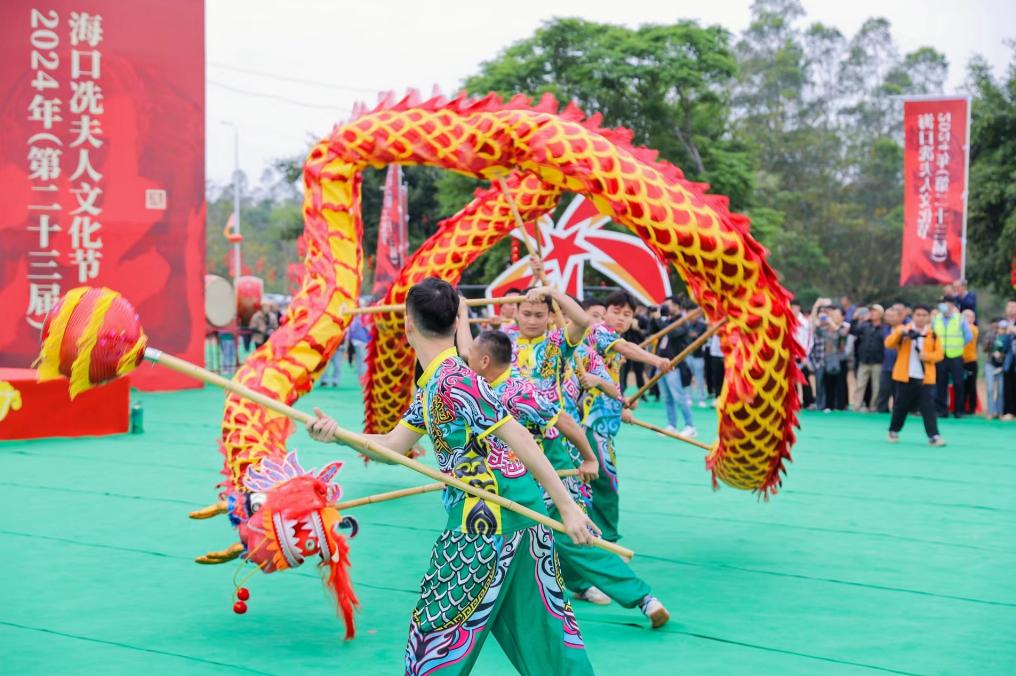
(903, 358)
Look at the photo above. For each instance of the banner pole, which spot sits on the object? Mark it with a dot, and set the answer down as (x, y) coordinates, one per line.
(966, 192)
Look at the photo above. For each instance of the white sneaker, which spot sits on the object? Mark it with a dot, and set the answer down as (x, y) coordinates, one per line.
(594, 595)
(688, 431)
(670, 428)
(654, 610)
(703, 404)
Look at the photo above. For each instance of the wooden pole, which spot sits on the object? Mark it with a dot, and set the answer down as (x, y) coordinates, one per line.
(401, 307)
(558, 315)
(360, 442)
(665, 432)
(415, 490)
(695, 344)
(694, 314)
(490, 320)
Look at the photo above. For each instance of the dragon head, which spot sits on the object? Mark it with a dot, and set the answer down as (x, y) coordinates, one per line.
(286, 515)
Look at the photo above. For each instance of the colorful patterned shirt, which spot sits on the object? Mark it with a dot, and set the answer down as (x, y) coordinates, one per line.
(573, 392)
(603, 412)
(459, 410)
(524, 403)
(541, 360)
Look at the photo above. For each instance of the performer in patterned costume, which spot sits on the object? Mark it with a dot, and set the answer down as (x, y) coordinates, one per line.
(539, 355)
(583, 568)
(602, 410)
(491, 570)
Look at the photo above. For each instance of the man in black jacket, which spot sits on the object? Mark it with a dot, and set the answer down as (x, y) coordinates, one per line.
(870, 351)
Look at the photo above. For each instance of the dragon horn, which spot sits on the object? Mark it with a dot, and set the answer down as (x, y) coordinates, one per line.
(227, 554)
(209, 511)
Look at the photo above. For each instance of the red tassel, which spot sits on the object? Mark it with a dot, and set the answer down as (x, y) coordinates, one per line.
(338, 581)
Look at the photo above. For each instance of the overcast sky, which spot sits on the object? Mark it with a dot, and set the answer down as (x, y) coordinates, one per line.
(360, 47)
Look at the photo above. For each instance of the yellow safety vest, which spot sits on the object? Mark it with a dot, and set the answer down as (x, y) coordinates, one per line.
(951, 335)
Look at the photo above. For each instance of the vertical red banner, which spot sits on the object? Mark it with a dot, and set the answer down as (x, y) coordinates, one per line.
(392, 232)
(102, 167)
(935, 163)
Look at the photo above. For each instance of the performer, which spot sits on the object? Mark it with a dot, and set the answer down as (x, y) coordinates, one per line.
(507, 312)
(514, 588)
(539, 356)
(602, 403)
(584, 568)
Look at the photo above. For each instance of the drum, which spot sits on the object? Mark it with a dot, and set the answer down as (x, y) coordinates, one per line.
(220, 305)
(249, 292)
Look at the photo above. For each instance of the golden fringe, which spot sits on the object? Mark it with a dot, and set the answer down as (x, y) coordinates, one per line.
(86, 343)
(48, 360)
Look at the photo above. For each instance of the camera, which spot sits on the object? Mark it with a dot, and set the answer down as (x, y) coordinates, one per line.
(914, 334)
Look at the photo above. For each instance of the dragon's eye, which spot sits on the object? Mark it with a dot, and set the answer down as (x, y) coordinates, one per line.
(311, 546)
(257, 500)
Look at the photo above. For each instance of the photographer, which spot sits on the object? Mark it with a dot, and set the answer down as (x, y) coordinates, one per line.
(870, 353)
(828, 355)
(918, 350)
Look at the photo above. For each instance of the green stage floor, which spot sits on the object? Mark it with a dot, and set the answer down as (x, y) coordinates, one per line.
(899, 559)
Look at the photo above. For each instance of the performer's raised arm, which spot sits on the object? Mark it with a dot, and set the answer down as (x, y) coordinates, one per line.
(463, 334)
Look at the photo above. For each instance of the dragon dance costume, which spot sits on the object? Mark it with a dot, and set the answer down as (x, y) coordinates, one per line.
(601, 416)
(536, 401)
(491, 570)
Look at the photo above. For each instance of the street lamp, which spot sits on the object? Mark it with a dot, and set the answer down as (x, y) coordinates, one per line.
(236, 202)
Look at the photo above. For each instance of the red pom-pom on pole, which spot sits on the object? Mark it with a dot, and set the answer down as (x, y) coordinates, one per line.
(91, 336)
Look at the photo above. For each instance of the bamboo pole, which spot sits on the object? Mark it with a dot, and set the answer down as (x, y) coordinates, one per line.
(695, 344)
(415, 490)
(490, 320)
(401, 307)
(666, 432)
(558, 315)
(361, 443)
(694, 314)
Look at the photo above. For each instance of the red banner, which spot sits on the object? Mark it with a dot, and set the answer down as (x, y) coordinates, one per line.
(102, 167)
(934, 190)
(392, 232)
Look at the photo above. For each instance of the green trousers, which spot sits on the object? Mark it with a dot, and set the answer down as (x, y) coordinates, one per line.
(605, 508)
(583, 567)
(509, 585)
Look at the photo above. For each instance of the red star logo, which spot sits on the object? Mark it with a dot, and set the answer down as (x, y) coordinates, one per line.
(578, 238)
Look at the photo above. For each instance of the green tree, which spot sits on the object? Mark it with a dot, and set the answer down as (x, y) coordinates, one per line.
(819, 111)
(669, 84)
(991, 219)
